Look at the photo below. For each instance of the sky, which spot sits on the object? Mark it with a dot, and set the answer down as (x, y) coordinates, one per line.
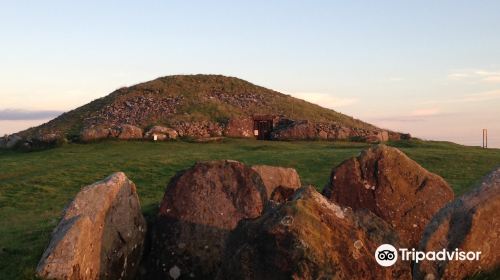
(430, 68)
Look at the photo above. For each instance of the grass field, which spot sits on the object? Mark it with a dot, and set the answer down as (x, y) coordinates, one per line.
(35, 187)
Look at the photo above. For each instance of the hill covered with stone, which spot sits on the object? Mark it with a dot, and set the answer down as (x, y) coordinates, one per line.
(200, 106)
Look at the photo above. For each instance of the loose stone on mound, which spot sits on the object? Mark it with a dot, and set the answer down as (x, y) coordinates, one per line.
(470, 223)
(100, 236)
(391, 185)
(239, 127)
(9, 141)
(129, 132)
(94, 133)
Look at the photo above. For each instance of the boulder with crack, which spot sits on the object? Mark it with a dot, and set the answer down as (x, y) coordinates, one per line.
(471, 224)
(391, 185)
(100, 236)
(310, 237)
(200, 207)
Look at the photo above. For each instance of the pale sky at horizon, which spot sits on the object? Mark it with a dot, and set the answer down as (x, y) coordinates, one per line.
(431, 68)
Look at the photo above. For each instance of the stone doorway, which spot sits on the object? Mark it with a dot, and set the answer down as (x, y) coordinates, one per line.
(262, 129)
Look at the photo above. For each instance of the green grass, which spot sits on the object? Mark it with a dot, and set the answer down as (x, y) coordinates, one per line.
(35, 187)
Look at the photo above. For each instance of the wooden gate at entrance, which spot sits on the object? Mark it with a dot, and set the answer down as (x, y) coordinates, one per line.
(263, 129)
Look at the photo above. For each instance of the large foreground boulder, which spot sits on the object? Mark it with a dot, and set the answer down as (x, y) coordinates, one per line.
(100, 236)
(280, 195)
(310, 237)
(470, 223)
(275, 176)
(391, 185)
(201, 205)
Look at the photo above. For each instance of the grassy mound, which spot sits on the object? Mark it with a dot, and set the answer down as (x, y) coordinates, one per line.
(171, 99)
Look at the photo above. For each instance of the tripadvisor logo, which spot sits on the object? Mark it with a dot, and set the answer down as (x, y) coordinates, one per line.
(387, 255)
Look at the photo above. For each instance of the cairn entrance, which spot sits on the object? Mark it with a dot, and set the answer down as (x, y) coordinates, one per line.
(262, 127)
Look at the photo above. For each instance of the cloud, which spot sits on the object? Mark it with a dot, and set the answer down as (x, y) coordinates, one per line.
(22, 114)
(392, 119)
(425, 112)
(475, 75)
(481, 96)
(457, 76)
(394, 79)
(325, 100)
(474, 97)
(488, 76)
(417, 115)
